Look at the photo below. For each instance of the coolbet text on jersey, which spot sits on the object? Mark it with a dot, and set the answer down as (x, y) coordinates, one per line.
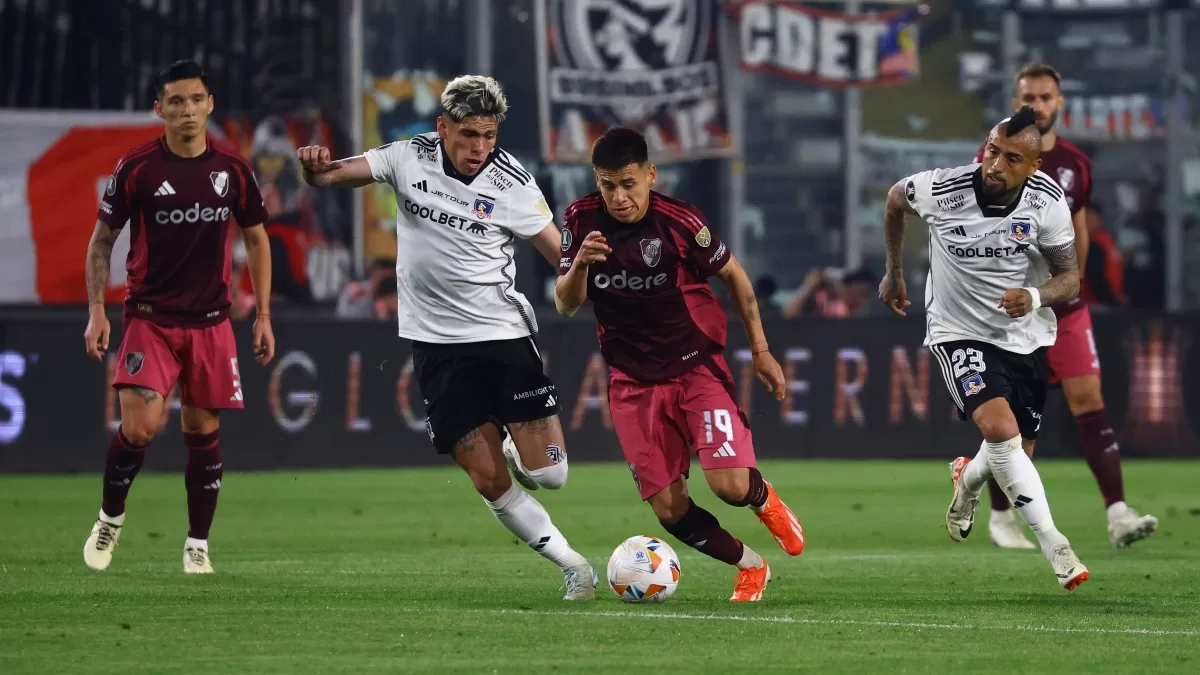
(455, 268)
(977, 252)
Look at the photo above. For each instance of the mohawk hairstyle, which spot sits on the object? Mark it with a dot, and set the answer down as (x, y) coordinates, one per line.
(474, 96)
(619, 147)
(186, 69)
(1038, 70)
(1022, 120)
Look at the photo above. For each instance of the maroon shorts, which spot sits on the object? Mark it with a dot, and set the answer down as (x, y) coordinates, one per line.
(202, 360)
(660, 426)
(1073, 353)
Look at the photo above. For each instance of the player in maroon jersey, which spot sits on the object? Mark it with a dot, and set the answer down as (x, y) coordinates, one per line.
(1074, 363)
(178, 194)
(644, 260)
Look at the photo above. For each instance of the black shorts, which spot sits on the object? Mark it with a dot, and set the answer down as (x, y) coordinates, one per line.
(977, 372)
(467, 385)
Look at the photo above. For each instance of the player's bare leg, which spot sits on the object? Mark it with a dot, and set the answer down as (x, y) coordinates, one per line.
(479, 454)
(746, 487)
(1103, 456)
(202, 477)
(692, 525)
(1013, 469)
(536, 453)
(141, 413)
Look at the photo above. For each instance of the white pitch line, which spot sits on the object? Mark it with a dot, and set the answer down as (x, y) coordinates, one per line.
(830, 622)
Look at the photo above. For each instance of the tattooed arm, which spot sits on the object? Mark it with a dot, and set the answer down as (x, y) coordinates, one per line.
(99, 255)
(1063, 284)
(892, 290)
(741, 292)
(1064, 271)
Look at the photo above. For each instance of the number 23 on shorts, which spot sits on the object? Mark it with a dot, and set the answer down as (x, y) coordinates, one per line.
(967, 361)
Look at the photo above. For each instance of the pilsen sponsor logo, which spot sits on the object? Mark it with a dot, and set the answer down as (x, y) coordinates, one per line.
(828, 48)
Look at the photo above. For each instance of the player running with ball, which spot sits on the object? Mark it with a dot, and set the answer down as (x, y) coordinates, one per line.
(644, 260)
(1001, 253)
(462, 202)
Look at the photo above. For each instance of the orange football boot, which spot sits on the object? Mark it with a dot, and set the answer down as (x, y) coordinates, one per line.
(750, 583)
(782, 523)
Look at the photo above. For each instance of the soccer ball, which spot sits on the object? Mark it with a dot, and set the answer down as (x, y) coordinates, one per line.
(643, 570)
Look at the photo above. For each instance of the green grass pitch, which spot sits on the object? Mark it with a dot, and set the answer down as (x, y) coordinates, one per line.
(406, 571)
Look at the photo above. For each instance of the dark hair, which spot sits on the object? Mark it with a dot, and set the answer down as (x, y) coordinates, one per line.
(1038, 70)
(387, 286)
(1020, 121)
(186, 69)
(618, 148)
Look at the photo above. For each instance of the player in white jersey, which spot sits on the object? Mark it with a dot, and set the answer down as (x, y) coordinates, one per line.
(461, 202)
(1001, 253)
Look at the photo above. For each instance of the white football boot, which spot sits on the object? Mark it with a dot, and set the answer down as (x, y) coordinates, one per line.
(580, 582)
(960, 515)
(195, 558)
(515, 467)
(1005, 531)
(1070, 571)
(98, 549)
(1126, 526)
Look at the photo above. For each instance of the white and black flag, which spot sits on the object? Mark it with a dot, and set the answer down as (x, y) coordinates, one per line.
(650, 64)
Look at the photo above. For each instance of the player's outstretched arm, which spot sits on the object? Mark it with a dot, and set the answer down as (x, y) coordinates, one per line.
(99, 256)
(741, 292)
(321, 170)
(892, 290)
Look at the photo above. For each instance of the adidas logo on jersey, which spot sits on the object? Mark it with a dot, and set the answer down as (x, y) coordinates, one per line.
(959, 231)
(164, 190)
(551, 401)
(726, 450)
(422, 186)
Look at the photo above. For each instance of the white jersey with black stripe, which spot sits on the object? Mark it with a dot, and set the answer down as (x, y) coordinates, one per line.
(455, 271)
(977, 251)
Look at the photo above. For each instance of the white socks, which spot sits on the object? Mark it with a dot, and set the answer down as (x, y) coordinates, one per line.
(1117, 511)
(1014, 471)
(518, 511)
(112, 520)
(977, 473)
(750, 559)
(195, 543)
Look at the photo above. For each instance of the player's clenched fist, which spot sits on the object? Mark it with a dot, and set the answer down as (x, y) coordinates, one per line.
(315, 158)
(1017, 302)
(593, 249)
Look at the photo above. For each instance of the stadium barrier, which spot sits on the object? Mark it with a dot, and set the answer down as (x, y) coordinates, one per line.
(343, 394)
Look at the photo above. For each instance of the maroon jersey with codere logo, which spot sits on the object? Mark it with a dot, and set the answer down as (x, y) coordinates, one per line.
(1072, 170)
(180, 246)
(656, 316)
